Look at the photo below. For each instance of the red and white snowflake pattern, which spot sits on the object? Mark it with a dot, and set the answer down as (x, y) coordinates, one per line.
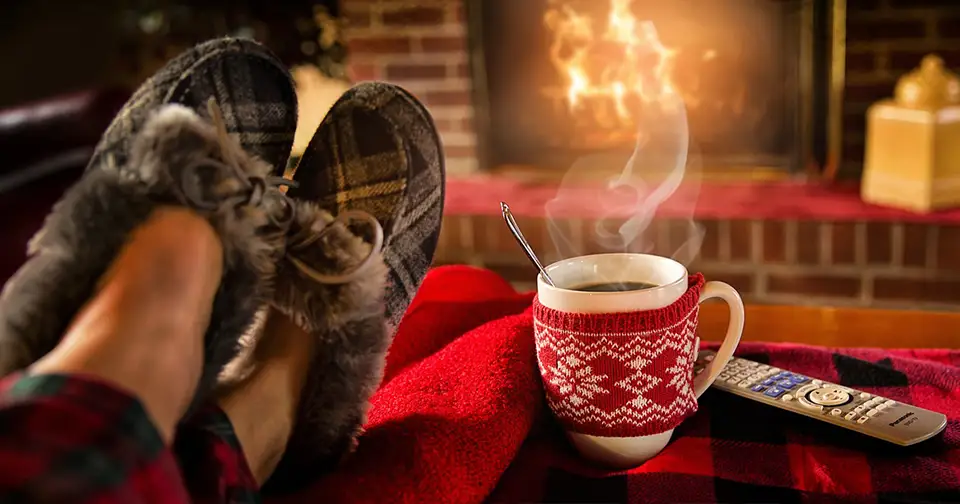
(619, 384)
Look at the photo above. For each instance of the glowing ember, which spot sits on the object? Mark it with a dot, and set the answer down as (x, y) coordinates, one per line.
(611, 71)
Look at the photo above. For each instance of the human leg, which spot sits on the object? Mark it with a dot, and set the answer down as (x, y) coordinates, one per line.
(91, 421)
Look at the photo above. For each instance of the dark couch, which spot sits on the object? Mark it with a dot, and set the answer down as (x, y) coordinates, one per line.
(45, 147)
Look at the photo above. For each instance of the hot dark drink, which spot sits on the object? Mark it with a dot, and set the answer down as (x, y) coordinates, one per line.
(614, 286)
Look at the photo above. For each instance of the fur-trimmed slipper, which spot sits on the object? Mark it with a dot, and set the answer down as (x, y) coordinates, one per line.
(257, 101)
(176, 159)
(332, 284)
(253, 88)
(377, 151)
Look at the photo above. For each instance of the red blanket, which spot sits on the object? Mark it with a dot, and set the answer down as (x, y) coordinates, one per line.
(461, 418)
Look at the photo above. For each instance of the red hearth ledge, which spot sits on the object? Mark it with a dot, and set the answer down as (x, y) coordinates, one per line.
(775, 200)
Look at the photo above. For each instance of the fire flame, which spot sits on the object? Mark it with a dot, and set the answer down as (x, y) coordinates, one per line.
(621, 67)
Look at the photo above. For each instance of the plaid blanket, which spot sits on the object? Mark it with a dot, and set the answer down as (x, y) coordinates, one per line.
(461, 418)
(736, 450)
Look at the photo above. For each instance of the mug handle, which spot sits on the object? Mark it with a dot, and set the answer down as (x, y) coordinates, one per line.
(729, 295)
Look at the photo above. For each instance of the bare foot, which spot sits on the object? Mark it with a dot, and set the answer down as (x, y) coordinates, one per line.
(143, 329)
(263, 407)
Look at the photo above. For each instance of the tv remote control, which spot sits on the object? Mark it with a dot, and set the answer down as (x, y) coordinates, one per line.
(851, 409)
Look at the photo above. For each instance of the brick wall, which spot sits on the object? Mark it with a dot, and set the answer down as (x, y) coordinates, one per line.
(877, 264)
(421, 45)
(885, 39)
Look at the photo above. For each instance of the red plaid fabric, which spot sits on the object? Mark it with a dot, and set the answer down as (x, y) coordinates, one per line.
(75, 439)
(735, 450)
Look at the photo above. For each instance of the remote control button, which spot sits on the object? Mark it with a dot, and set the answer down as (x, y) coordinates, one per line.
(864, 395)
(860, 409)
(829, 396)
(836, 411)
(872, 413)
(798, 379)
(881, 407)
(774, 392)
(723, 376)
(890, 403)
(763, 368)
(817, 382)
(787, 397)
(807, 404)
(784, 374)
(787, 384)
(850, 416)
(768, 382)
(744, 384)
(863, 420)
(751, 364)
(758, 388)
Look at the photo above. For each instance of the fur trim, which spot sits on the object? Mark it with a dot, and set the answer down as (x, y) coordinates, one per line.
(350, 322)
(86, 229)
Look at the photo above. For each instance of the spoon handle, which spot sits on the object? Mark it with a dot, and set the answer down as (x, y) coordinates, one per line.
(524, 244)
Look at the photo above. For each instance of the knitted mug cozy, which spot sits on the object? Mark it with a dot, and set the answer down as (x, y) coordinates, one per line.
(620, 374)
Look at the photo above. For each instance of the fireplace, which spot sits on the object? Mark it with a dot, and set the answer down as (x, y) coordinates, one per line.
(555, 80)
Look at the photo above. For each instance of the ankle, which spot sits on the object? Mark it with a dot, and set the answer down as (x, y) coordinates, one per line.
(263, 409)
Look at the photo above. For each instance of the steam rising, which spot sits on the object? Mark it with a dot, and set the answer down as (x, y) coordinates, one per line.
(624, 196)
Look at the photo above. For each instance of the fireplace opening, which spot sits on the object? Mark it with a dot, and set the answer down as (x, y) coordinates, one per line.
(556, 80)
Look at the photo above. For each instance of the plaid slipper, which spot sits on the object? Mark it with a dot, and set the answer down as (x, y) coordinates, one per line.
(179, 160)
(251, 86)
(376, 152)
(257, 101)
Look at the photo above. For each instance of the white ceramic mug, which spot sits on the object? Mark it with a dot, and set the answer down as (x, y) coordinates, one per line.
(671, 281)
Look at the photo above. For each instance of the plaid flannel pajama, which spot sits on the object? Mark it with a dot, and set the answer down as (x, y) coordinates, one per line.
(74, 439)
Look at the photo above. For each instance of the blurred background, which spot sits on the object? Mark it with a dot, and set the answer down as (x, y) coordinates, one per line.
(826, 169)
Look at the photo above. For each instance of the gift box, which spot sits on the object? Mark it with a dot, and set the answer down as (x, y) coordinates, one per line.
(912, 158)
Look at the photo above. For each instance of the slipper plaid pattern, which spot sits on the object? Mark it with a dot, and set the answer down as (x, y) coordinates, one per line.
(378, 151)
(252, 87)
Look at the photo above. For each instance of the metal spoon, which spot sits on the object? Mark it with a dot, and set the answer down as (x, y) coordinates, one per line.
(515, 231)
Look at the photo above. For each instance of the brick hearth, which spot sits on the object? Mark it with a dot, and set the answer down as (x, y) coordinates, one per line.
(873, 264)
